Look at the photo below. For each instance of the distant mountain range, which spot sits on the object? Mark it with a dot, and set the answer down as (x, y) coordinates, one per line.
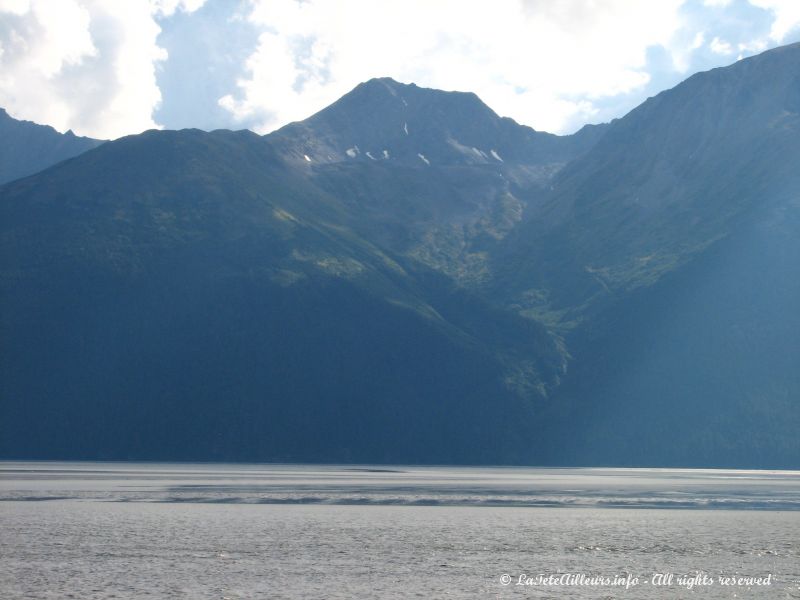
(407, 277)
(27, 148)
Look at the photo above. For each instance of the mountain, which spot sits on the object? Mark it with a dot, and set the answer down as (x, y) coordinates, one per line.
(27, 148)
(667, 257)
(407, 277)
(185, 295)
(435, 176)
(383, 120)
(212, 296)
(668, 180)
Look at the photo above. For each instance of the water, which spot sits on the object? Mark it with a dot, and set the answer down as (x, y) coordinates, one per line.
(110, 530)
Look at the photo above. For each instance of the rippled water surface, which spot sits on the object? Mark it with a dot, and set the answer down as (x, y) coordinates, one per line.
(110, 530)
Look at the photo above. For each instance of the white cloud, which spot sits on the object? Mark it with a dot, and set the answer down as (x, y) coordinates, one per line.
(169, 7)
(91, 65)
(719, 46)
(787, 16)
(86, 65)
(753, 46)
(15, 7)
(543, 63)
(698, 41)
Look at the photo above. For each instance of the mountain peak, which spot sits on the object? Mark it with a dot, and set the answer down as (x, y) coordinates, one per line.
(385, 120)
(386, 83)
(413, 97)
(412, 90)
(28, 147)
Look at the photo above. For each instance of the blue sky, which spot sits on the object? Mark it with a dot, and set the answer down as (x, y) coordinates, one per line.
(107, 68)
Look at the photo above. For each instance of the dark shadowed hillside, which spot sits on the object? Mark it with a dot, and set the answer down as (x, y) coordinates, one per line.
(668, 256)
(182, 295)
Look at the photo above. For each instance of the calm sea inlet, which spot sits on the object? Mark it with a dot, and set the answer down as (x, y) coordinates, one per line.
(125, 530)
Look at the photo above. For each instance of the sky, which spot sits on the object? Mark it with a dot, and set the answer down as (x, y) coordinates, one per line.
(109, 68)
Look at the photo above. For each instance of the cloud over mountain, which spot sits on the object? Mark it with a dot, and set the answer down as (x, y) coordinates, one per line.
(87, 65)
(106, 69)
